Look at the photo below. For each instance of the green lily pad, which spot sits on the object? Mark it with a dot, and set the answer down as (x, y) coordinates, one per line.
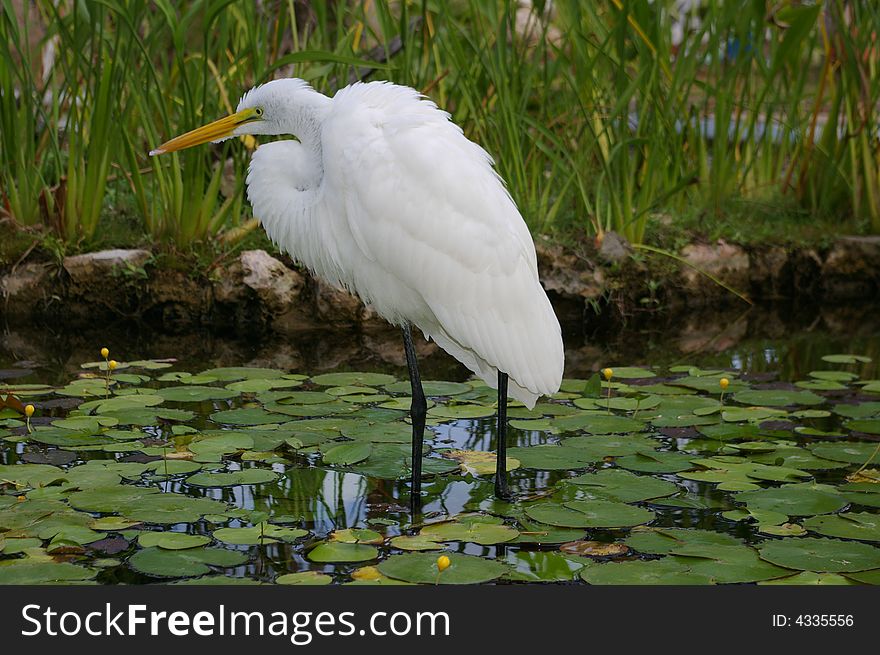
(794, 499)
(811, 578)
(868, 425)
(473, 531)
(232, 373)
(597, 423)
(421, 568)
(589, 514)
(864, 526)
(172, 540)
(416, 542)
(163, 563)
(622, 486)
(39, 571)
(311, 578)
(346, 454)
(777, 397)
(461, 411)
(337, 551)
(432, 388)
(821, 555)
(551, 457)
(192, 393)
(655, 462)
(247, 416)
(846, 359)
(232, 478)
(727, 564)
(663, 541)
(353, 379)
(664, 571)
(853, 452)
(255, 535)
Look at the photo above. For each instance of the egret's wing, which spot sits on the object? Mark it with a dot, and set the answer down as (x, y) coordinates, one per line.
(425, 204)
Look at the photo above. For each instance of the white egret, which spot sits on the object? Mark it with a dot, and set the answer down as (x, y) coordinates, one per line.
(383, 195)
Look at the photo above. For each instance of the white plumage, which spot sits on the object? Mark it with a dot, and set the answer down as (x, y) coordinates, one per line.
(385, 196)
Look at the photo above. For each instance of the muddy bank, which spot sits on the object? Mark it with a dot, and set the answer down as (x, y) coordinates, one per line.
(256, 291)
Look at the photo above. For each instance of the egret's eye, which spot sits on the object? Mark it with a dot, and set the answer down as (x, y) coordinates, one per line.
(258, 111)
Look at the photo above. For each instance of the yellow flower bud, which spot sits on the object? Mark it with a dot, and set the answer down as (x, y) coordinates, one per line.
(105, 352)
(723, 383)
(28, 410)
(443, 563)
(112, 364)
(607, 372)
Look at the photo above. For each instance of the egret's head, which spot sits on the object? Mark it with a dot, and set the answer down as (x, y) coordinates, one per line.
(271, 108)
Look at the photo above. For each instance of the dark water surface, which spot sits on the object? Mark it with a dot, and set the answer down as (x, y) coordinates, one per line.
(765, 345)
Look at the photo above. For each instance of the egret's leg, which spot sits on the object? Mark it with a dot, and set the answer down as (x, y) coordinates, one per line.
(418, 411)
(501, 488)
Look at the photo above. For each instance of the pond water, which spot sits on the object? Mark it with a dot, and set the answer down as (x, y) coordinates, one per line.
(252, 458)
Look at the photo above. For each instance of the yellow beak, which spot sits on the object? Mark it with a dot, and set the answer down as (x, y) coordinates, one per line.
(215, 131)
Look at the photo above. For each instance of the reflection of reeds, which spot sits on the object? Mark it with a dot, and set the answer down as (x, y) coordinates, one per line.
(599, 115)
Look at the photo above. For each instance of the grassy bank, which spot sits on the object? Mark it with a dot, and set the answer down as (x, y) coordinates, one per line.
(656, 121)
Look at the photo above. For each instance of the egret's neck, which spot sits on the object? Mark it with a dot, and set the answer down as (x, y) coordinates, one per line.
(303, 119)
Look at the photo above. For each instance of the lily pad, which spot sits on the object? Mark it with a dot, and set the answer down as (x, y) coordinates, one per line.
(258, 534)
(191, 393)
(172, 540)
(352, 379)
(589, 514)
(821, 555)
(337, 551)
(664, 571)
(232, 478)
(864, 526)
(311, 578)
(421, 568)
(794, 500)
(163, 563)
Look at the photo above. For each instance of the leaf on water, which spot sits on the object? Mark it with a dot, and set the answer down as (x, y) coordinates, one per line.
(195, 394)
(416, 542)
(354, 378)
(794, 499)
(664, 571)
(356, 536)
(161, 563)
(335, 551)
(232, 478)
(589, 514)
(864, 526)
(312, 578)
(264, 533)
(821, 555)
(346, 454)
(421, 568)
(846, 359)
(172, 540)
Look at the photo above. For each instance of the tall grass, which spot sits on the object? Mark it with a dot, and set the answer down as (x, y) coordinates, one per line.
(599, 115)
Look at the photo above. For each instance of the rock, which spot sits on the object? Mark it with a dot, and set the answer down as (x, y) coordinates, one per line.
(723, 261)
(614, 248)
(277, 287)
(23, 290)
(566, 274)
(336, 306)
(767, 272)
(93, 268)
(851, 270)
(803, 270)
(176, 299)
